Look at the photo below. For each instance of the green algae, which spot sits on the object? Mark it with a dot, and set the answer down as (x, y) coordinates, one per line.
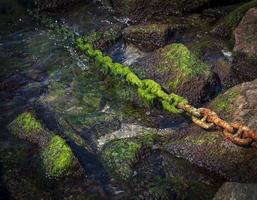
(57, 158)
(28, 123)
(120, 155)
(148, 90)
(203, 139)
(223, 101)
(179, 59)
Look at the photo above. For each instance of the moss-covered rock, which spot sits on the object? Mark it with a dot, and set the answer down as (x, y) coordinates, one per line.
(120, 155)
(147, 37)
(226, 25)
(58, 159)
(27, 127)
(180, 71)
(211, 149)
(104, 38)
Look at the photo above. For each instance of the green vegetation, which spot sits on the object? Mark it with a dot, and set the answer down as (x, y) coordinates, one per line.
(222, 103)
(28, 123)
(57, 158)
(148, 90)
(120, 155)
(178, 59)
(229, 23)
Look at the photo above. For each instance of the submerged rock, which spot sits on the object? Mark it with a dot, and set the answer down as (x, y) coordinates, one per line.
(27, 127)
(121, 154)
(104, 38)
(57, 158)
(147, 37)
(180, 71)
(210, 149)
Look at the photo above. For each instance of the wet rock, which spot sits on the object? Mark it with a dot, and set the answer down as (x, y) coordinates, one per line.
(147, 37)
(27, 127)
(162, 176)
(226, 74)
(210, 149)
(105, 37)
(159, 7)
(13, 82)
(56, 157)
(59, 160)
(246, 47)
(120, 155)
(180, 71)
(245, 34)
(244, 67)
(226, 25)
(237, 191)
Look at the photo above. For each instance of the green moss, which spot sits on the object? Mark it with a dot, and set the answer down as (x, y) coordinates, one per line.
(120, 155)
(28, 123)
(150, 90)
(229, 23)
(223, 102)
(57, 158)
(180, 60)
(202, 139)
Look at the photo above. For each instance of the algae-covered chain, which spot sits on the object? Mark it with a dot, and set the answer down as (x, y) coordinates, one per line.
(150, 91)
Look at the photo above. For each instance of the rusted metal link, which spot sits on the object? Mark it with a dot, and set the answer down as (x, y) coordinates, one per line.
(246, 131)
(202, 123)
(212, 117)
(190, 110)
(236, 139)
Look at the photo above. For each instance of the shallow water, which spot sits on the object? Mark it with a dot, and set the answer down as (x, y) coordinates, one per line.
(43, 72)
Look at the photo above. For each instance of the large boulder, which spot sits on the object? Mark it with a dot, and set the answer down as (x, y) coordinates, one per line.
(226, 25)
(179, 71)
(245, 34)
(210, 149)
(246, 47)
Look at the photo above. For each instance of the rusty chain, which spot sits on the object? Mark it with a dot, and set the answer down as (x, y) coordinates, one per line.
(207, 119)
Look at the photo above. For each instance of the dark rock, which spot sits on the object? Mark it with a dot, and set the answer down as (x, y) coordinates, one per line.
(237, 191)
(245, 34)
(147, 37)
(210, 149)
(105, 37)
(226, 74)
(245, 67)
(157, 7)
(179, 71)
(226, 25)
